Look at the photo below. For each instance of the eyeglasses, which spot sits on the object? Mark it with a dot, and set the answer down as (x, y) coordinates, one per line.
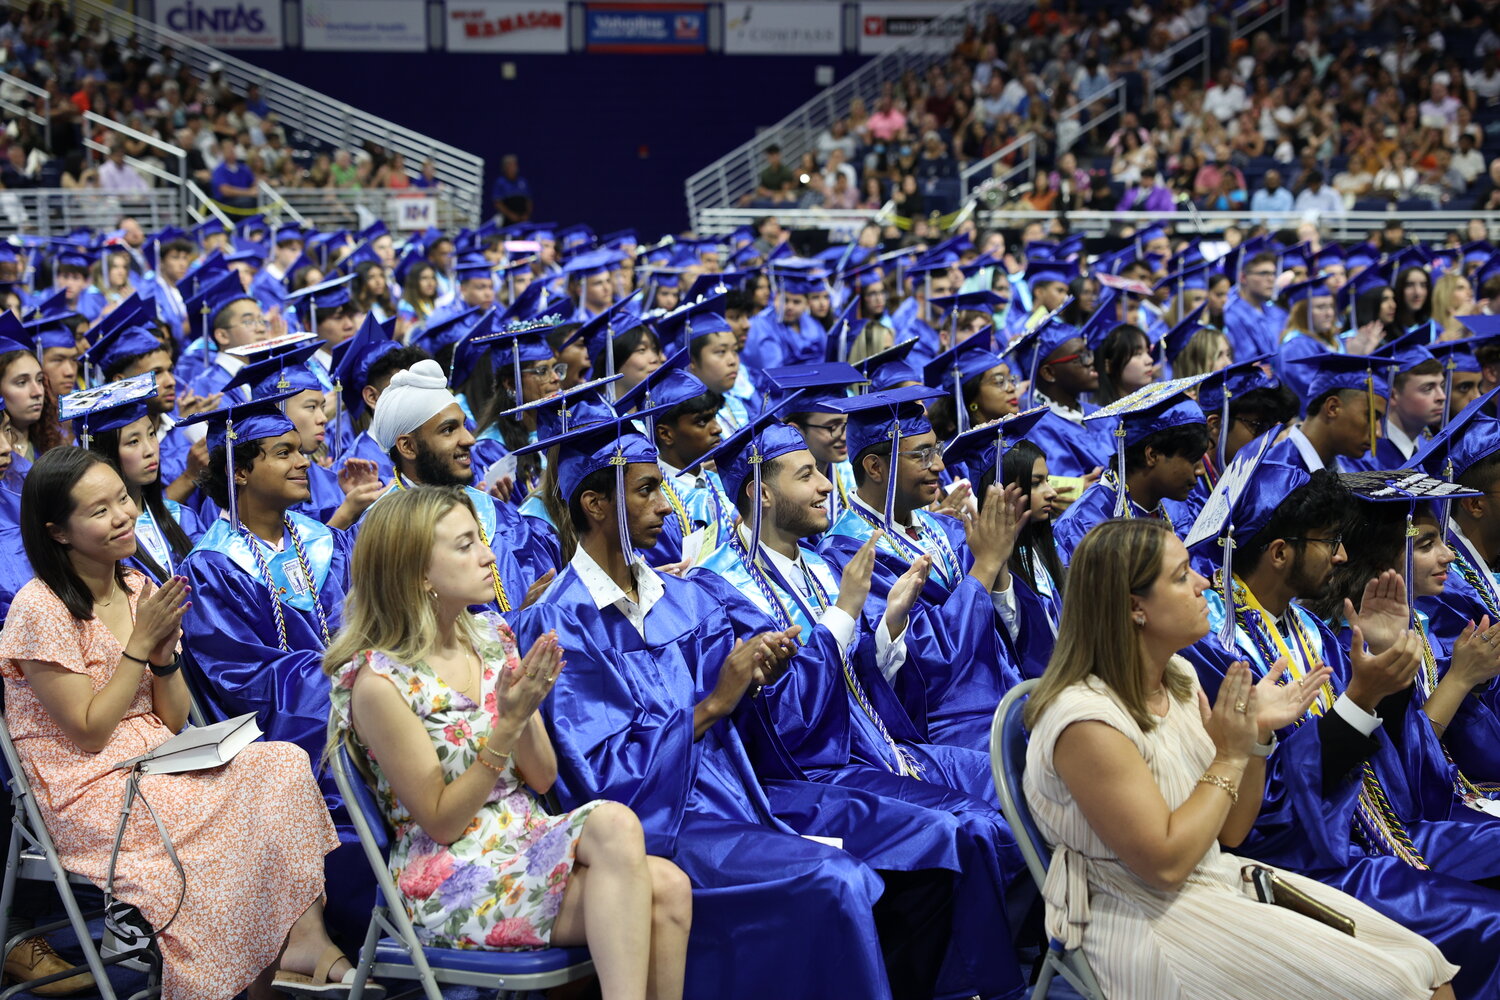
(1001, 381)
(542, 371)
(834, 429)
(1085, 359)
(1257, 427)
(926, 457)
(252, 321)
(1260, 274)
(1333, 543)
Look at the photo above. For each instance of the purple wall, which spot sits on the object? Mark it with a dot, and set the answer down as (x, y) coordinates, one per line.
(577, 122)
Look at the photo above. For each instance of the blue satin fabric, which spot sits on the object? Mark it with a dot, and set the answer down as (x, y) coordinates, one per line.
(327, 494)
(1074, 449)
(1037, 614)
(154, 542)
(764, 900)
(194, 359)
(807, 725)
(543, 532)
(172, 451)
(364, 446)
(1301, 830)
(15, 568)
(959, 664)
(1097, 505)
(235, 666)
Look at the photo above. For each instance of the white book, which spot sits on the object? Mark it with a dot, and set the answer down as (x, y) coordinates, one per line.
(199, 748)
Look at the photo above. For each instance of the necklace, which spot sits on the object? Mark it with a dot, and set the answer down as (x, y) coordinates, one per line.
(113, 586)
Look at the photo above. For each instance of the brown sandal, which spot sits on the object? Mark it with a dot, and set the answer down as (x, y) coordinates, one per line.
(318, 984)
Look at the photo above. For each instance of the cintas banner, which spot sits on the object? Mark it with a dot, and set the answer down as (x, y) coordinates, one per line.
(239, 24)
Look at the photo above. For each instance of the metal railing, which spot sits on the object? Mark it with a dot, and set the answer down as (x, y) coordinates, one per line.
(1343, 227)
(1252, 15)
(986, 174)
(315, 118)
(278, 204)
(29, 112)
(1113, 99)
(734, 176)
(336, 208)
(1178, 60)
(58, 211)
(176, 152)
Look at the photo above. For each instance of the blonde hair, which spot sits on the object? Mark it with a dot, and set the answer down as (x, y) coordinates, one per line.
(1442, 301)
(386, 607)
(1197, 358)
(1096, 637)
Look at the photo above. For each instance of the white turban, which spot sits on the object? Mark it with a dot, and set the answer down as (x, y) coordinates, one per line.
(412, 398)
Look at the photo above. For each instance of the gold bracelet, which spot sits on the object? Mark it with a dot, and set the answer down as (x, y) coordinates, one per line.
(486, 748)
(1218, 781)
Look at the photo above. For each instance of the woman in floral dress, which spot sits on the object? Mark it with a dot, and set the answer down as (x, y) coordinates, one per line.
(443, 709)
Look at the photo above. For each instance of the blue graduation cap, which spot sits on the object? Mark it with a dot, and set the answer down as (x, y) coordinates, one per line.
(1361, 255)
(1194, 276)
(472, 265)
(373, 231)
(120, 344)
(1186, 329)
(817, 387)
(208, 227)
(1484, 272)
(717, 283)
(575, 237)
(879, 417)
(324, 296)
(1044, 269)
(1408, 350)
(1470, 437)
(1103, 321)
(601, 332)
(985, 446)
(951, 370)
(252, 421)
(1149, 409)
(1338, 372)
(587, 265)
(739, 459)
(11, 332)
(251, 225)
(1482, 325)
(1367, 280)
(1032, 349)
(1327, 256)
(107, 407)
(353, 359)
(888, 368)
(279, 373)
(1310, 289)
(511, 344)
(584, 405)
(449, 330)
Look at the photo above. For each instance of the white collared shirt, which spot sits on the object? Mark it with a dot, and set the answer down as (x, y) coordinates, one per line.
(1309, 453)
(1396, 436)
(606, 593)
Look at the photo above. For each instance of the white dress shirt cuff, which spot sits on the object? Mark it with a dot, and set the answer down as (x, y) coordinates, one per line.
(1357, 717)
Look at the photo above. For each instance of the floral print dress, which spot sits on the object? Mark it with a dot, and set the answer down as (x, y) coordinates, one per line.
(501, 884)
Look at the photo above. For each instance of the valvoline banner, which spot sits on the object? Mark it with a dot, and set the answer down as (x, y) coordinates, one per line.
(646, 28)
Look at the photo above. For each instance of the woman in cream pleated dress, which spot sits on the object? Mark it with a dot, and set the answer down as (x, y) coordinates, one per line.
(1122, 733)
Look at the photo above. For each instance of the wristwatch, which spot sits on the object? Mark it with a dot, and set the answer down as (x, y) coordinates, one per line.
(1256, 750)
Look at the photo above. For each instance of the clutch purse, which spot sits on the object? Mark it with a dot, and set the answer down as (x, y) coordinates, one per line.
(1272, 888)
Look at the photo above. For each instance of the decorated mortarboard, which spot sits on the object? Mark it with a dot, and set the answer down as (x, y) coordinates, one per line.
(273, 347)
(510, 345)
(1304, 290)
(1239, 507)
(280, 372)
(1149, 409)
(448, 330)
(985, 446)
(1411, 487)
(107, 407)
(1179, 336)
(1443, 261)
(1044, 269)
(352, 360)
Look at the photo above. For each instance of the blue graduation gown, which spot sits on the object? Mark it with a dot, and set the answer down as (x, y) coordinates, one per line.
(365, 447)
(772, 343)
(1299, 829)
(15, 568)
(1097, 505)
(1038, 612)
(235, 664)
(773, 914)
(960, 665)
(194, 359)
(811, 725)
(1074, 449)
(150, 537)
(1295, 345)
(543, 531)
(1252, 331)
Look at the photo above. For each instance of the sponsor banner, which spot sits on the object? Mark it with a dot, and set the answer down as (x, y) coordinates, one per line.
(415, 213)
(507, 26)
(646, 28)
(364, 25)
(885, 24)
(809, 28)
(225, 24)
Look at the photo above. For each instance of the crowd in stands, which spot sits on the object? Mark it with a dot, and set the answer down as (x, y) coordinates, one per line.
(1358, 105)
(234, 141)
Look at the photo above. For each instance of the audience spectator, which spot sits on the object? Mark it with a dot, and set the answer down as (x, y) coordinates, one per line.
(1318, 197)
(1271, 196)
(117, 176)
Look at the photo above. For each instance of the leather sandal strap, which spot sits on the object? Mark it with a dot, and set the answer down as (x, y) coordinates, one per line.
(329, 959)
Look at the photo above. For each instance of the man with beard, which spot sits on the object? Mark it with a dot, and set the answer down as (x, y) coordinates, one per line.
(834, 718)
(419, 424)
(1359, 795)
(965, 665)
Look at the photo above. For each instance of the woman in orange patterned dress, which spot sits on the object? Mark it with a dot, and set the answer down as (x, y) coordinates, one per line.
(88, 654)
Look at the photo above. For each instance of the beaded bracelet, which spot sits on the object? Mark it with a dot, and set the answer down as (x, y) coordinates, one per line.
(493, 767)
(1209, 778)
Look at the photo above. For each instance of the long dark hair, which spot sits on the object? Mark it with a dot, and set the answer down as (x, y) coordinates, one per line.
(361, 292)
(1374, 539)
(1406, 318)
(1112, 357)
(106, 444)
(46, 433)
(1034, 547)
(47, 497)
(513, 432)
(1367, 310)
